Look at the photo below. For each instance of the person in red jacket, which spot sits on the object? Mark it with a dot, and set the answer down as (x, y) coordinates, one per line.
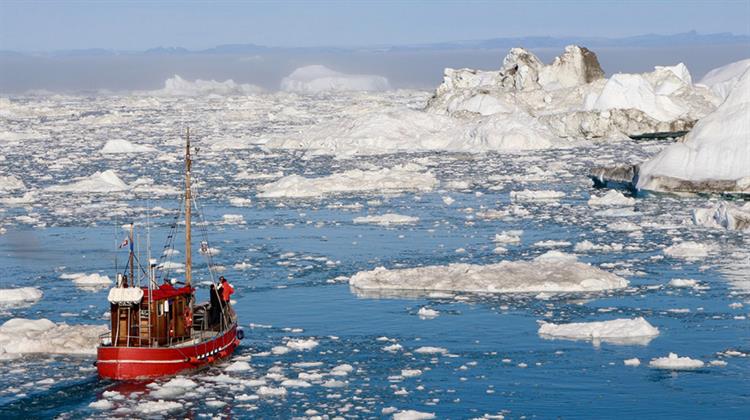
(226, 289)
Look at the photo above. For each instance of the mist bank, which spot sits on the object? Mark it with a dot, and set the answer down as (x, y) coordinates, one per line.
(419, 68)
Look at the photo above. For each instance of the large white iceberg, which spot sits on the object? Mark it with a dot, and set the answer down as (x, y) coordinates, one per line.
(386, 180)
(723, 79)
(318, 78)
(177, 86)
(616, 331)
(715, 155)
(543, 274)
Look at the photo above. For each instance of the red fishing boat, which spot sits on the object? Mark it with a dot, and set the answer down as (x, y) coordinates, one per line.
(158, 329)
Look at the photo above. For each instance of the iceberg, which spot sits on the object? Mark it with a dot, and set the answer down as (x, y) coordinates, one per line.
(714, 156)
(23, 296)
(317, 78)
(722, 80)
(177, 86)
(724, 215)
(675, 362)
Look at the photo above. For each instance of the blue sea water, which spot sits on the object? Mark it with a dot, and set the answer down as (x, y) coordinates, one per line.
(301, 252)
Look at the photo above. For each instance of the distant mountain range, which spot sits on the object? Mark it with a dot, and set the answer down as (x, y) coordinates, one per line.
(643, 41)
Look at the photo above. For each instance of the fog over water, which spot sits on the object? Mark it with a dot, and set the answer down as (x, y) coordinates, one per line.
(420, 69)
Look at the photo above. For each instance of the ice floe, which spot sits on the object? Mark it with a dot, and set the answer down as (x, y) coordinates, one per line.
(20, 297)
(387, 219)
(549, 273)
(611, 198)
(675, 362)
(724, 215)
(399, 178)
(83, 280)
(98, 182)
(616, 331)
(19, 336)
(119, 146)
(318, 78)
(688, 250)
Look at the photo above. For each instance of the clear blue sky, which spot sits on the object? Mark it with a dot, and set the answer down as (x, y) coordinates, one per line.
(135, 25)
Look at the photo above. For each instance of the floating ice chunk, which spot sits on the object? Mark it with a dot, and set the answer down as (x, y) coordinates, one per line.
(413, 415)
(11, 183)
(714, 155)
(240, 202)
(448, 200)
(233, 219)
(508, 237)
(177, 86)
(632, 362)
(616, 331)
(410, 373)
(528, 195)
(430, 350)
(611, 198)
(552, 272)
(174, 388)
(19, 336)
(724, 215)
(279, 350)
(427, 313)
(98, 182)
(83, 280)
(295, 383)
(238, 366)
(674, 362)
(157, 407)
(683, 283)
(23, 296)
(386, 180)
(723, 79)
(318, 78)
(301, 344)
(102, 405)
(118, 146)
(393, 348)
(551, 244)
(688, 250)
(387, 219)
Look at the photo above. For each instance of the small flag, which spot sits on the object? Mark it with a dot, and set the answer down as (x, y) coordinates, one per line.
(124, 243)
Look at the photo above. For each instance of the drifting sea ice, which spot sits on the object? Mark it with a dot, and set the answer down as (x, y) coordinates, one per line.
(547, 273)
(675, 362)
(688, 250)
(387, 219)
(23, 296)
(611, 198)
(19, 336)
(121, 146)
(98, 182)
(616, 331)
(399, 178)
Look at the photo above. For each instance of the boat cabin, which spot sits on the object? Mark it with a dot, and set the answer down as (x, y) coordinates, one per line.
(149, 318)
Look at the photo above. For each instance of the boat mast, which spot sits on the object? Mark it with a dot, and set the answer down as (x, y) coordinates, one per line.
(188, 208)
(131, 280)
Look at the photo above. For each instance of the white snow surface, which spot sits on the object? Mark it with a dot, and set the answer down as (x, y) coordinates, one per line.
(716, 149)
(675, 362)
(20, 336)
(616, 331)
(10, 183)
(98, 182)
(688, 250)
(318, 78)
(548, 274)
(409, 177)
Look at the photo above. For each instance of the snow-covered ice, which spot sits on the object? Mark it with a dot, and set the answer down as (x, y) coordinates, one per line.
(675, 362)
(616, 331)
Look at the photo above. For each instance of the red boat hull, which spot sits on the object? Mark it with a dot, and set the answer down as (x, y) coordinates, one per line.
(126, 363)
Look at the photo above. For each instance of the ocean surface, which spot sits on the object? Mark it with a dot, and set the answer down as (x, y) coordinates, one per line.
(487, 357)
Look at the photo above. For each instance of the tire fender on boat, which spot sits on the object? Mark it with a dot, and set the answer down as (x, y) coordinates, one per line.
(241, 334)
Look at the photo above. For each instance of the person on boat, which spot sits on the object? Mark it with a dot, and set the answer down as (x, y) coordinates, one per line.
(226, 289)
(214, 312)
